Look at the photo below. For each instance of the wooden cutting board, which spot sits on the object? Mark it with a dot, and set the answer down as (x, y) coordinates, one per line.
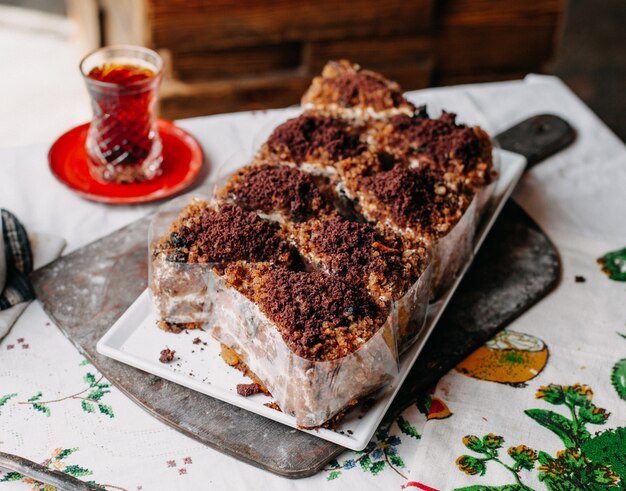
(516, 266)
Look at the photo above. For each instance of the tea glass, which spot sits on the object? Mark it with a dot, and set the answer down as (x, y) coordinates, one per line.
(123, 145)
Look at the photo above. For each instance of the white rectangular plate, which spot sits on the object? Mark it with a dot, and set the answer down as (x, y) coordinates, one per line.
(135, 340)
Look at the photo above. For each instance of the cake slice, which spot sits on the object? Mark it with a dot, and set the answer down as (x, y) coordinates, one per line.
(423, 205)
(394, 272)
(314, 143)
(440, 144)
(278, 192)
(316, 341)
(347, 91)
(204, 236)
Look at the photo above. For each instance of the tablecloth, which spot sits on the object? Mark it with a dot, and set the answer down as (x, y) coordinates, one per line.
(542, 406)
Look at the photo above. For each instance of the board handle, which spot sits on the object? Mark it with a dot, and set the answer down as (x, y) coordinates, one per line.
(537, 137)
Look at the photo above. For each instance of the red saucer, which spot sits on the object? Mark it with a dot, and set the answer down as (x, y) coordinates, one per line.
(182, 161)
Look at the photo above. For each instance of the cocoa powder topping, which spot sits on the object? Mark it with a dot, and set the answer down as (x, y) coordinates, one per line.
(277, 188)
(364, 89)
(440, 139)
(318, 314)
(407, 193)
(309, 136)
(357, 249)
(225, 235)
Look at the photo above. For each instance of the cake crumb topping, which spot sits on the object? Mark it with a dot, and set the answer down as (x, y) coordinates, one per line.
(440, 139)
(407, 193)
(204, 234)
(364, 88)
(354, 250)
(167, 355)
(313, 136)
(320, 317)
(269, 188)
(247, 390)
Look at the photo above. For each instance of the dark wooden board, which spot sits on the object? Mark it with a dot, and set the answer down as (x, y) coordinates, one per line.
(516, 266)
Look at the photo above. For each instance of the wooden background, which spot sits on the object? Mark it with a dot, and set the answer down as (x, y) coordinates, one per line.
(231, 55)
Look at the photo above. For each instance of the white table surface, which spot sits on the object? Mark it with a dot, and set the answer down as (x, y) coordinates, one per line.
(578, 197)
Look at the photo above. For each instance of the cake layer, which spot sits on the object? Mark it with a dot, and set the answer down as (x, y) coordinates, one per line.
(424, 206)
(202, 236)
(393, 271)
(313, 142)
(438, 143)
(268, 315)
(360, 253)
(278, 192)
(347, 91)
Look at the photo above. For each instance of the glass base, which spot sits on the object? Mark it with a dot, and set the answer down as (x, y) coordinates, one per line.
(121, 173)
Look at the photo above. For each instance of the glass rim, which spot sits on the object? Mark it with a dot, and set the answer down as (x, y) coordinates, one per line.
(130, 47)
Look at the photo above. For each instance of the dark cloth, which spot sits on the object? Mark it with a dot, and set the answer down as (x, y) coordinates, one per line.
(19, 262)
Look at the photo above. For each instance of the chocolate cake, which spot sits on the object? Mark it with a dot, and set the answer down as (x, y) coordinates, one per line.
(441, 144)
(425, 206)
(347, 91)
(314, 143)
(313, 265)
(277, 192)
(204, 237)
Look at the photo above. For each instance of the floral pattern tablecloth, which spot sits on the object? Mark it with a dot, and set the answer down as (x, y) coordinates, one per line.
(542, 406)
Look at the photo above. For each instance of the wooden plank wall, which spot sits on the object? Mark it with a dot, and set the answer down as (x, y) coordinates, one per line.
(228, 55)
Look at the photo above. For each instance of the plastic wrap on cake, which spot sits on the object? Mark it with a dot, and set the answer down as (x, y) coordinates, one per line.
(485, 193)
(311, 391)
(178, 289)
(321, 236)
(411, 310)
(452, 251)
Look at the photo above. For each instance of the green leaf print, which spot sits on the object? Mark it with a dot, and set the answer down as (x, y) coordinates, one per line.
(365, 463)
(560, 425)
(506, 487)
(36, 397)
(608, 448)
(618, 378)
(95, 390)
(66, 452)
(552, 393)
(593, 414)
(396, 460)
(376, 467)
(42, 409)
(523, 456)
(407, 428)
(104, 409)
(11, 476)
(96, 485)
(471, 465)
(474, 443)
(77, 471)
(492, 441)
(333, 475)
(87, 406)
(379, 454)
(97, 394)
(613, 264)
(5, 399)
(90, 379)
(591, 463)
